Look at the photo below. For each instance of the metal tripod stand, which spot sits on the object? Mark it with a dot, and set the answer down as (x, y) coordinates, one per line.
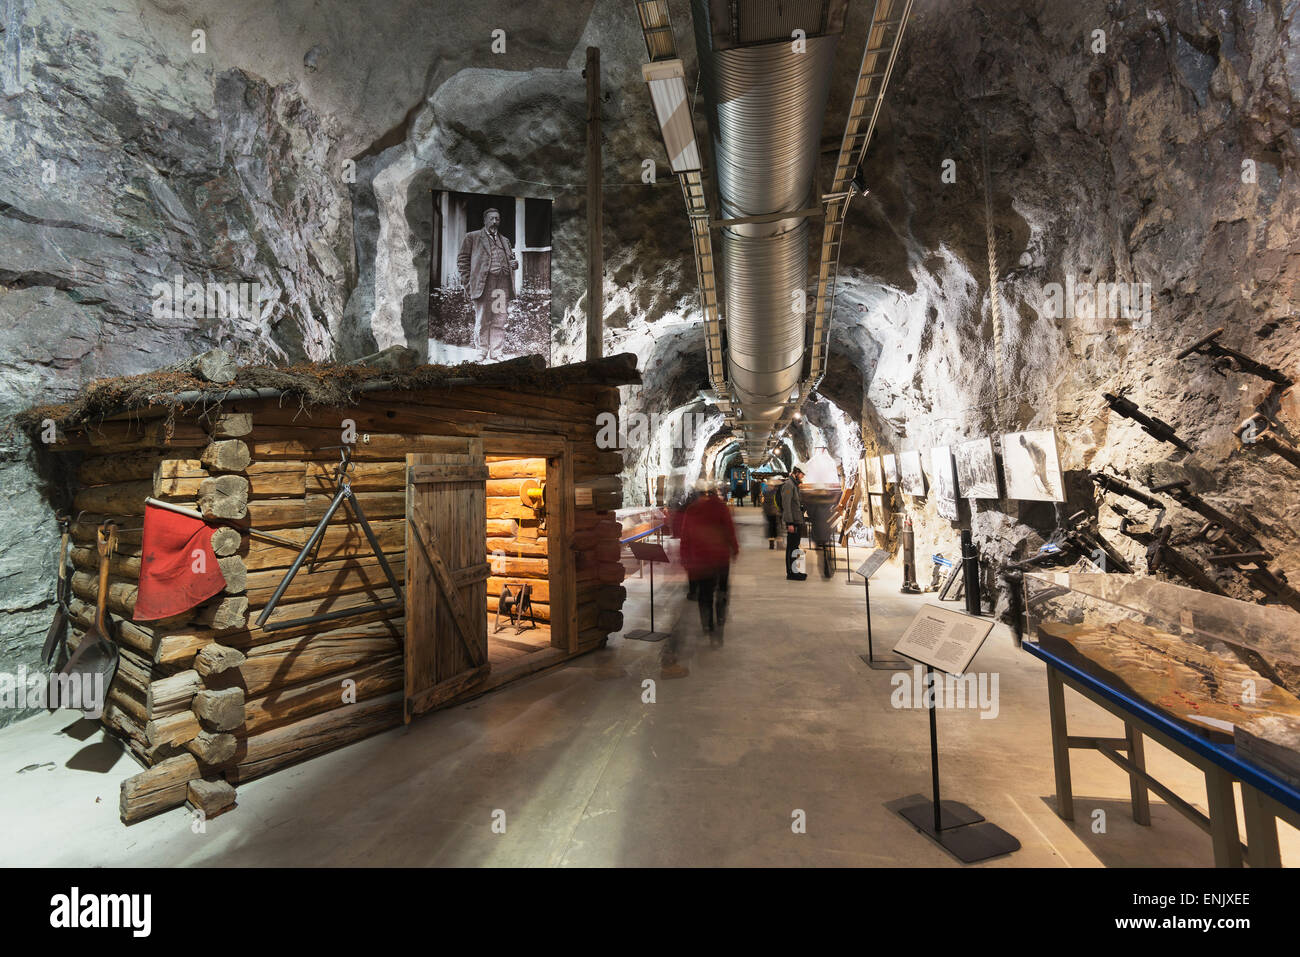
(344, 494)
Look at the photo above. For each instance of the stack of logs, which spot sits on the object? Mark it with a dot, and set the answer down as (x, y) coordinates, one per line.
(208, 699)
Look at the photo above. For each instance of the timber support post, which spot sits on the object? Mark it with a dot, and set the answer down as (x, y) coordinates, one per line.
(595, 216)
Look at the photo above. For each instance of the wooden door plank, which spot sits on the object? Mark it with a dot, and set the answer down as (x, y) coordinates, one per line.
(421, 474)
(520, 443)
(562, 565)
(447, 571)
(445, 583)
(446, 690)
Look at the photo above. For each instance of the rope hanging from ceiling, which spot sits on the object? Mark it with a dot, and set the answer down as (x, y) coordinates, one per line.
(995, 300)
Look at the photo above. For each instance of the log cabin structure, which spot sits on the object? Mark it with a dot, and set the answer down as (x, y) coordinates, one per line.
(481, 484)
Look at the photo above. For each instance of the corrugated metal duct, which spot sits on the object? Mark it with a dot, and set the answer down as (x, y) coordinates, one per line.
(765, 105)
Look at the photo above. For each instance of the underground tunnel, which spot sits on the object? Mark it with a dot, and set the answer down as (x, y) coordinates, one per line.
(419, 412)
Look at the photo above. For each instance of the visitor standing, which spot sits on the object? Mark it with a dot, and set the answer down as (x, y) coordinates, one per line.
(772, 510)
(792, 516)
(678, 519)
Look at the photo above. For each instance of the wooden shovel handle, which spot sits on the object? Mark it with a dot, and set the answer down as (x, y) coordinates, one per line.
(102, 542)
(63, 554)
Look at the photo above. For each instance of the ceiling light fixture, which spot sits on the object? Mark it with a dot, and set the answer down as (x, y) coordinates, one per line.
(667, 82)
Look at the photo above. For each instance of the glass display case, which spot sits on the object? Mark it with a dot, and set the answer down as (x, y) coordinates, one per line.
(639, 522)
(1225, 669)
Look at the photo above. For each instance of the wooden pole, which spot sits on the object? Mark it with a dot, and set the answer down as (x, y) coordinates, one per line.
(595, 219)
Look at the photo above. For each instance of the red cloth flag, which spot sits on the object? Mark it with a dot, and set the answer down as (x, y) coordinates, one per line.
(178, 568)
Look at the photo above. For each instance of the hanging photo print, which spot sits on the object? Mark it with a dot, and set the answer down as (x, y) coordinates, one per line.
(490, 282)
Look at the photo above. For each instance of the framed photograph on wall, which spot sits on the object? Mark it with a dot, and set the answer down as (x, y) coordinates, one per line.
(1031, 464)
(889, 466)
(977, 469)
(910, 473)
(871, 467)
(489, 278)
(879, 521)
(943, 473)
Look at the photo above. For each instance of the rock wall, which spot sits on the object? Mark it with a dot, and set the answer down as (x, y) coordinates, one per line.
(128, 159)
(1168, 158)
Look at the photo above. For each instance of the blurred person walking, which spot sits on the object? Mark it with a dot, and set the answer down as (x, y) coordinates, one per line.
(755, 492)
(708, 546)
(678, 515)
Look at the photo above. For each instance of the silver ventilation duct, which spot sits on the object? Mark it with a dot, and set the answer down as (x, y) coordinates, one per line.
(765, 104)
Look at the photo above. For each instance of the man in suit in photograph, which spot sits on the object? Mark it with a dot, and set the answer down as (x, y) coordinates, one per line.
(487, 265)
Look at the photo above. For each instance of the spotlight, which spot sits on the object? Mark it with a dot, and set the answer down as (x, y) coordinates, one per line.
(860, 182)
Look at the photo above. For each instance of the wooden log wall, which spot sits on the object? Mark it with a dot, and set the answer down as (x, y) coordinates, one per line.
(210, 695)
(517, 539)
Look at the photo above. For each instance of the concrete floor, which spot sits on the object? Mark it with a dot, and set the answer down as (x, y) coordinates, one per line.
(783, 717)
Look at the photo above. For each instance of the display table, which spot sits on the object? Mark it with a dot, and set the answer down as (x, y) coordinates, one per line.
(645, 527)
(1265, 797)
(638, 524)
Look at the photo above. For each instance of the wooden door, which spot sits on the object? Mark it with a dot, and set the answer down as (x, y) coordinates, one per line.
(446, 575)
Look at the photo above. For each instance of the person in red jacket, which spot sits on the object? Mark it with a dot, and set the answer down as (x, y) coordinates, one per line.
(708, 546)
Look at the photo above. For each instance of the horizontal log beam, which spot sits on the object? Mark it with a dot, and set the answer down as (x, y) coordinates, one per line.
(158, 789)
(288, 744)
(310, 657)
(138, 466)
(284, 705)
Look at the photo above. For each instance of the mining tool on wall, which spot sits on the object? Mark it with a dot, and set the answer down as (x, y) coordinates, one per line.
(532, 494)
(97, 655)
(1152, 426)
(344, 494)
(1230, 359)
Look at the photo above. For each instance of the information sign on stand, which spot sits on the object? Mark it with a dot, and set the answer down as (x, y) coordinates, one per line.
(873, 563)
(651, 552)
(944, 638)
(866, 570)
(948, 640)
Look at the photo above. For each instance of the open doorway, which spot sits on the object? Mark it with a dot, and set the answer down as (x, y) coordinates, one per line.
(519, 540)
(530, 548)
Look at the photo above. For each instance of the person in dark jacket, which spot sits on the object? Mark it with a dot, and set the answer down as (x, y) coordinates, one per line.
(486, 264)
(772, 511)
(708, 546)
(755, 492)
(792, 516)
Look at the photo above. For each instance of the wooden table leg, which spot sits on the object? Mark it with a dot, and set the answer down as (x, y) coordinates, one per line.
(1060, 744)
(1223, 817)
(1261, 829)
(1137, 788)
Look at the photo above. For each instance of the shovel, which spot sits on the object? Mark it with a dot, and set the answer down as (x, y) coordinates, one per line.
(54, 652)
(96, 655)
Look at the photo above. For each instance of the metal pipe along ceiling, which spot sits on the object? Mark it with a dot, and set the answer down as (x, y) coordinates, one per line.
(766, 105)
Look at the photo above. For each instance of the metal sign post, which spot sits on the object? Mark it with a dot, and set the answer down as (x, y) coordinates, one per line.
(866, 570)
(648, 552)
(949, 640)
